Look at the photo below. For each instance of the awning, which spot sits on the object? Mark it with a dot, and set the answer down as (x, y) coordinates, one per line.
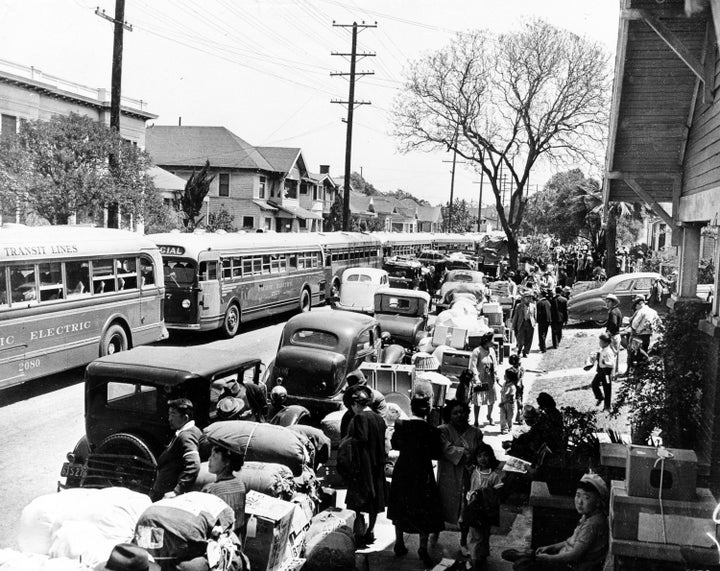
(264, 205)
(297, 212)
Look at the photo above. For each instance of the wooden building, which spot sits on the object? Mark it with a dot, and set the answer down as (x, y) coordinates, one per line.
(664, 148)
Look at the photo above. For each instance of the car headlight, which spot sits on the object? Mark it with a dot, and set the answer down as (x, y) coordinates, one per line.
(186, 303)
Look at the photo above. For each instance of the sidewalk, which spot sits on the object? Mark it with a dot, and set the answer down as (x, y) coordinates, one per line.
(515, 522)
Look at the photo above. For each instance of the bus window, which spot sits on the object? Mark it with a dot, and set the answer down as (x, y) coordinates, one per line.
(147, 272)
(208, 271)
(51, 286)
(293, 262)
(127, 273)
(227, 268)
(103, 276)
(257, 266)
(3, 287)
(266, 264)
(76, 278)
(237, 267)
(22, 283)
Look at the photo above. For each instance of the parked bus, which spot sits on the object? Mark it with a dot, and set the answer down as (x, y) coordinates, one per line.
(447, 243)
(220, 280)
(347, 250)
(404, 243)
(69, 294)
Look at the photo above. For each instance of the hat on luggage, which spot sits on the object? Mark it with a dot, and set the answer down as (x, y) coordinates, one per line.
(229, 407)
(425, 362)
(129, 557)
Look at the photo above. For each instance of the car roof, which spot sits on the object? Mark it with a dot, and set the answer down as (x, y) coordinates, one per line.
(460, 272)
(399, 292)
(372, 272)
(631, 276)
(339, 322)
(168, 365)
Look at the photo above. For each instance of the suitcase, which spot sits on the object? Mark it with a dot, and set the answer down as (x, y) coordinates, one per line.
(389, 378)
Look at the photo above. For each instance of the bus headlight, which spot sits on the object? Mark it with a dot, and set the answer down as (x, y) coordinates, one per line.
(186, 304)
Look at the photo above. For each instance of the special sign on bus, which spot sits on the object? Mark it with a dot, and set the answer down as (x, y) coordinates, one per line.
(40, 250)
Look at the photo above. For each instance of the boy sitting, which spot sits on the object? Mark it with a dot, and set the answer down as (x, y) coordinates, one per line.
(586, 549)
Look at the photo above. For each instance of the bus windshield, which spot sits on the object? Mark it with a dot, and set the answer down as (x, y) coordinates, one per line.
(179, 271)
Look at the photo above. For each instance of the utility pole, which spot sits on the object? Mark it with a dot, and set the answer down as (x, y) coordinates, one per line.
(480, 182)
(351, 103)
(454, 161)
(119, 24)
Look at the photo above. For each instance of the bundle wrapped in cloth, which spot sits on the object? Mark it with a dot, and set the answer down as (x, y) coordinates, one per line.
(275, 480)
(262, 442)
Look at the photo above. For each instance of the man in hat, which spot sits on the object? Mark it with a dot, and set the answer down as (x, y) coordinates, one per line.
(179, 464)
(129, 557)
(523, 322)
(543, 311)
(642, 321)
(614, 321)
(356, 379)
(559, 316)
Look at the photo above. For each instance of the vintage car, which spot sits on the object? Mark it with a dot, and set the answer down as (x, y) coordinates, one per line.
(403, 314)
(316, 353)
(404, 273)
(590, 305)
(460, 281)
(126, 413)
(358, 287)
(460, 261)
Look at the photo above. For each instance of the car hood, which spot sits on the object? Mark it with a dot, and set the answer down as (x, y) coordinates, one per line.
(310, 372)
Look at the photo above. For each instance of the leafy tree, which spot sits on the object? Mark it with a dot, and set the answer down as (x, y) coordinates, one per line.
(335, 218)
(190, 201)
(462, 220)
(221, 220)
(59, 168)
(359, 184)
(400, 194)
(503, 101)
(367, 225)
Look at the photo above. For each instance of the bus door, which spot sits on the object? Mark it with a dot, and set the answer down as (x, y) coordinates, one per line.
(209, 295)
(181, 303)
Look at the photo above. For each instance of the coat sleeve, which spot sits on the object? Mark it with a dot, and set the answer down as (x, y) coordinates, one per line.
(188, 441)
(450, 451)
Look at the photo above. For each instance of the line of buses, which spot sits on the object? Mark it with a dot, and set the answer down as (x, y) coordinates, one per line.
(69, 294)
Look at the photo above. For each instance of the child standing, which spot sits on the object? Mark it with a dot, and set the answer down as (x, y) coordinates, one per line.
(605, 369)
(514, 361)
(483, 508)
(508, 395)
(586, 548)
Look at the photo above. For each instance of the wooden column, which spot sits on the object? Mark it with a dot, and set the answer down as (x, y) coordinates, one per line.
(689, 258)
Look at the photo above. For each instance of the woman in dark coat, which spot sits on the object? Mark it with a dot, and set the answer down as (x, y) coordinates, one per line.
(366, 489)
(414, 505)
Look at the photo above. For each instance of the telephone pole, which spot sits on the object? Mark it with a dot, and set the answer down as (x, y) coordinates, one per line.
(351, 104)
(454, 161)
(119, 24)
(480, 182)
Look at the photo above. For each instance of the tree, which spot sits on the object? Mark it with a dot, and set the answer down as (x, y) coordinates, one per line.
(335, 218)
(221, 220)
(59, 168)
(503, 101)
(190, 201)
(461, 221)
(359, 184)
(400, 194)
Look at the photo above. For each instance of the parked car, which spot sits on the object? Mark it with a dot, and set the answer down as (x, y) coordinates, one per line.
(590, 305)
(432, 258)
(459, 261)
(126, 413)
(456, 281)
(404, 273)
(403, 314)
(358, 287)
(316, 353)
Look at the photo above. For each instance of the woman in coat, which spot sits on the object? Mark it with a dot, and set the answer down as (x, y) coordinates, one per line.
(414, 505)
(484, 367)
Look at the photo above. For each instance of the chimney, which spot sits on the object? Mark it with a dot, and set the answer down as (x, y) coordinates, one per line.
(324, 169)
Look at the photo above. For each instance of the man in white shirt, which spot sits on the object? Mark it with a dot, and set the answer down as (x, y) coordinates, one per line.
(642, 321)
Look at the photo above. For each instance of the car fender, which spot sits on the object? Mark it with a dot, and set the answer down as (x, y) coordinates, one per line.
(588, 310)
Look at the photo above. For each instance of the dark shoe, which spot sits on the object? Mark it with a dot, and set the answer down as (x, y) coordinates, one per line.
(490, 422)
(400, 550)
(425, 558)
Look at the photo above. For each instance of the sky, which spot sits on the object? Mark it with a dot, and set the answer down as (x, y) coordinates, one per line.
(262, 68)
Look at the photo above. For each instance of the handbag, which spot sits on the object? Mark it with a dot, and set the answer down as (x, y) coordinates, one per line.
(481, 387)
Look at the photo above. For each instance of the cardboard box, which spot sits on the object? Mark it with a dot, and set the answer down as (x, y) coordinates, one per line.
(679, 522)
(389, 378)
(455, 362)
(269, 523)
(453, 336)
(643, 473)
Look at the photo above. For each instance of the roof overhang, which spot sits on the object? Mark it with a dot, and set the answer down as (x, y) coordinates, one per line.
(298, 212)
(660, 74)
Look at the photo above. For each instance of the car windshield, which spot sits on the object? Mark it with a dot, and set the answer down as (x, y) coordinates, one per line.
(179, 271)
(461, 278)
(314, 338)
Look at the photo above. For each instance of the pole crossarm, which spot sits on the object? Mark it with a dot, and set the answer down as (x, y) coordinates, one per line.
(359, 55)
(102, 14)
(356, 74)
(651, 202)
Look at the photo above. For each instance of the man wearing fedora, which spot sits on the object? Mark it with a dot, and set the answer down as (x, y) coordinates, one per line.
(523, 322)
(614, 321)
(129, 557)
(179, 464)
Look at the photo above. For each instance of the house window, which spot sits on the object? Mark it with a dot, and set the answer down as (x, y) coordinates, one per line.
(261, 187)
(303, 188)
(224, 181)
(8, 126)
(291, 188)
(302, 223)
(268, 224)
(248, 222)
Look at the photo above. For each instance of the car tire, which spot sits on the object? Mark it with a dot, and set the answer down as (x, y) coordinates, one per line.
(602, 322)
(114, 472)
(305, 302)
(231, 321)
(114, 340)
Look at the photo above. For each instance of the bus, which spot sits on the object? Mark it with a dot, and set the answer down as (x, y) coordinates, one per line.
(218, 280)
(69, 294)
(404, 243)
(345, 250)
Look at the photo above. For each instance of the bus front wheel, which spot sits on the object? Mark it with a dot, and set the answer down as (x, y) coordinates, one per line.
(231, 323)
(305, 301)
(114, 341)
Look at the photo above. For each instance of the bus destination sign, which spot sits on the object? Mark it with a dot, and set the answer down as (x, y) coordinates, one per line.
(171, 250)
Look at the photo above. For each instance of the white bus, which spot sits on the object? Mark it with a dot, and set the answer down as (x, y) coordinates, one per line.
(345, 250)
(69, 294)
(220, 280)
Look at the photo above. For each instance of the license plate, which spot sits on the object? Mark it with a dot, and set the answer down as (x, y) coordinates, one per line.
(73, 470)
